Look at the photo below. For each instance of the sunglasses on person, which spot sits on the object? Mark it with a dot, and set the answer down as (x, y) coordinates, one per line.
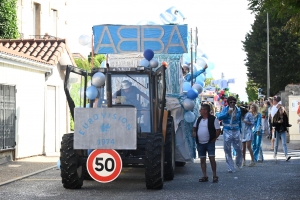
(232, 102)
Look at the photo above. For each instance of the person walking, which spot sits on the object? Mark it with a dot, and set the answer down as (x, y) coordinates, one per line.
(247, 136)
(257, 134)
(271, 133)
(231, 117)
(280, 123)
(206, 130)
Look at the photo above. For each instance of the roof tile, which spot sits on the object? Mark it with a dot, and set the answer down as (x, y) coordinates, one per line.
(46, 51)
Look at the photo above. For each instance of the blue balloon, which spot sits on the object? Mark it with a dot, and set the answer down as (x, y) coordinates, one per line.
(200, 83)
(192, 94)
(210, 66)
(200, 78)
(91, 92)
(148, 54)
(186, 86)
(144, 62)
(189, 116)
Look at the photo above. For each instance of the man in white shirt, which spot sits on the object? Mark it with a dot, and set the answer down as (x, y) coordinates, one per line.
(206, 130)
(276, 105)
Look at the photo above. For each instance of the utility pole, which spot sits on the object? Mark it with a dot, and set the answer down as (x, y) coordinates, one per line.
(268, 64)
(192, 66)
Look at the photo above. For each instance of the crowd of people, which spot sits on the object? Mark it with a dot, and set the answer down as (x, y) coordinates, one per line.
(244, 126)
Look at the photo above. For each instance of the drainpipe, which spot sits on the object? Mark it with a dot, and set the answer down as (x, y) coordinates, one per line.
(48, 74)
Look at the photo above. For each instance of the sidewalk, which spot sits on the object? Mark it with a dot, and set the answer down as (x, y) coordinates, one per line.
(22, 168)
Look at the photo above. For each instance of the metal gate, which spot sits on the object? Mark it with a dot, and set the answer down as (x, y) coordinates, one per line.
(7, 116)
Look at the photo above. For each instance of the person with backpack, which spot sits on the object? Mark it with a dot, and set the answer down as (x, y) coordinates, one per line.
(231, 117)
(206, 130)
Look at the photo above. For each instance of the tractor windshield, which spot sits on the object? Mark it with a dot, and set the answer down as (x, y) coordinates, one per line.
(133, 89)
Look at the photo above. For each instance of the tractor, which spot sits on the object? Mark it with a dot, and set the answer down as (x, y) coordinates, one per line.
(151, 141)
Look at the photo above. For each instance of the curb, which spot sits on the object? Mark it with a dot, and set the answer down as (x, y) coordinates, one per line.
(25, 176)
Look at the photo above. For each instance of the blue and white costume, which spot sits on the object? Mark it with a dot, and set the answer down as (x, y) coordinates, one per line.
(247, 134)
(231, 134)
(256, 142)
(188, 76)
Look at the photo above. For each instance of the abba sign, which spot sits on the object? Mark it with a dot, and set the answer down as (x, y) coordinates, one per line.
(164, 39)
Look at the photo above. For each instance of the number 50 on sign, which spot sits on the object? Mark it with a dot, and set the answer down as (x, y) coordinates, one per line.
(104, 165)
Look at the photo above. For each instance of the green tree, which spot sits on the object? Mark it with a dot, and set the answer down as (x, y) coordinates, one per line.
(8, 19)
(284, 54)
(279, 9)
(251, 91)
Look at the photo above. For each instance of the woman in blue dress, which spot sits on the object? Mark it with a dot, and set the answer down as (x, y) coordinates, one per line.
(247, 123)
(257, 134)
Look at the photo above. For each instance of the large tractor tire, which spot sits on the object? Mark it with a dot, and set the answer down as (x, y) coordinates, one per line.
(154, 161)
(72, 170)
(169, 169)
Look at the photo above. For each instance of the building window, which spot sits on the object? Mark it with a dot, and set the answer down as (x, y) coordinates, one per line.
(7, 116)
(54, 23)
(37, 20)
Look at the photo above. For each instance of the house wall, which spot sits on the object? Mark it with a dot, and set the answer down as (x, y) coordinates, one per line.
(57, 80)
(29, 107)
(26, 19)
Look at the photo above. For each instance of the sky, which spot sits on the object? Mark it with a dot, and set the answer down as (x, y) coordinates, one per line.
(222, 25)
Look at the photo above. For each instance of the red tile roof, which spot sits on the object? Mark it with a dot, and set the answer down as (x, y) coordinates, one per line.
(46, 51)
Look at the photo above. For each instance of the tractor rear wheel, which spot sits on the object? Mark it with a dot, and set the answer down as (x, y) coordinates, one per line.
(154, 161)
(170, 151)
(72, 170)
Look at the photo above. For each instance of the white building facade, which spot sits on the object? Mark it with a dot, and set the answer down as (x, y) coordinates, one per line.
(33, 109)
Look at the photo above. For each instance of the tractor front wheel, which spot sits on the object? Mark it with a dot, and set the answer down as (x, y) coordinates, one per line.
(154, 161)
(72, 170)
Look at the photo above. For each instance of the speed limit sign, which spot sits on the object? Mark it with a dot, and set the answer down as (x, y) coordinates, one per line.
(104, 165)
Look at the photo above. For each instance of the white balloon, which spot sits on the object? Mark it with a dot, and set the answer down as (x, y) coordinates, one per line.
(198, 87)
(201, 62)
(98, 79)
(188, 104)
(84, 40)
(153, 63)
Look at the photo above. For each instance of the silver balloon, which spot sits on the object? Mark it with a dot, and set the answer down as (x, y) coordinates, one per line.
(188, 104)
(98, 79)
(198, 87)
(153, 63)
(84, 40)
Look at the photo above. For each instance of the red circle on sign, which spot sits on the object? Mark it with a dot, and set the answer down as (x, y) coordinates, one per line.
(113, 175)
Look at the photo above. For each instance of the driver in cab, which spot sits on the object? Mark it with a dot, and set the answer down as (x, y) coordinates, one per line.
(128, 94)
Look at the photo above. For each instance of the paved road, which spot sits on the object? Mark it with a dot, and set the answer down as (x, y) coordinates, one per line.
(272, 179)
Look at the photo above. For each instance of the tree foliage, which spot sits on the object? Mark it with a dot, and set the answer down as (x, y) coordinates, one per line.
(284, 56)
(251, 90)
(8, 19)
(279, 9)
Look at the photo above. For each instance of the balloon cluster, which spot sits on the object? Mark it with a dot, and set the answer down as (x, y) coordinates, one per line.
(148, 60)
(222, 96)
(98, 81)
(192, 93)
